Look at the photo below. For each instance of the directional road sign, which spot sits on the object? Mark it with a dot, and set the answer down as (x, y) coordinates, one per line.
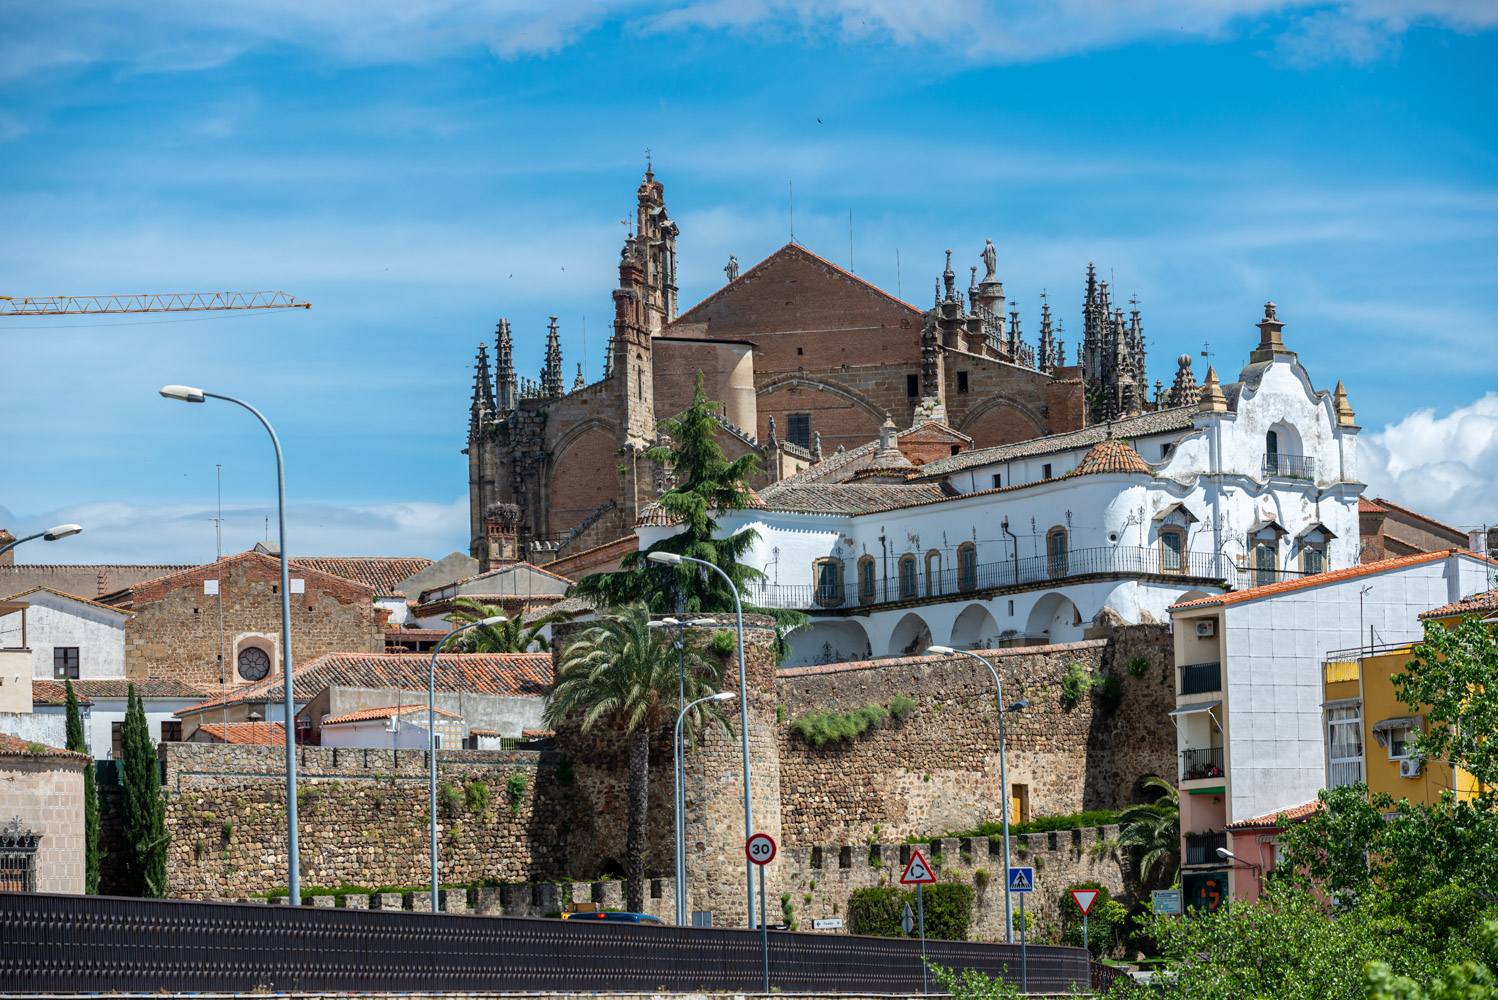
(1084, 898)
(827, 924)
(907, 920)
(917, 872)
(1022, 880)
(760, 848)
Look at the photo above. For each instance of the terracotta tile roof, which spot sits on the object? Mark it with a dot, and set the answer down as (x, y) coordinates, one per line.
(264, 734)
(896, 661)
(14, 746)
(1112, 455)
(126, 595)
(369, 714)
(1181, 418)
(524, 675)
(1366, 506)
(1320, 579)
(55, 693)
(152, 688)
(1280, 818)
(382, 574)
(1475, 604)
(537, 734)
(851, 498)
(71, 597)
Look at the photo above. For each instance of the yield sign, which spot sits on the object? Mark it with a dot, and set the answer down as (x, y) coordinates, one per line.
(1084, 898)
(917, 872)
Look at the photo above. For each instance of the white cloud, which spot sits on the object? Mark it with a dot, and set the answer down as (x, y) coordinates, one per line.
(1443, 466)
(183, 533)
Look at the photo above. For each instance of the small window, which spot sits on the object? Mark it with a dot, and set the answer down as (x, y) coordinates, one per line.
(1045, 471)
(1401, 742)
(798, 429)
(18, 863)
(1165, 450)
(1344, 746)
(908, 587)
(1265, 569)
(933, 573)
(967, 566)
(912, 386)
(171, 731)
(800, 351)
(1055, 548)
(962, 381)
(65, 663)
(1172, 550)
(956, 449)
(1011, 607)
(829, 576)
(998, 480)
(866, 591)
(1313, 559)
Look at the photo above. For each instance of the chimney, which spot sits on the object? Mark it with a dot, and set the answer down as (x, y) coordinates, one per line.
(501, 521)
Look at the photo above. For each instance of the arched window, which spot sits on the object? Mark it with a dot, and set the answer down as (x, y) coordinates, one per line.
(967, 566)
(829, 580)
(933, 573)
(1172, 550)
(908, 587)
(1272, 454)
(1055, 550)
(866, 592)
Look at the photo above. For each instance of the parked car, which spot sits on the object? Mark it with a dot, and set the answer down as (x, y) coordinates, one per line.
(615, 916)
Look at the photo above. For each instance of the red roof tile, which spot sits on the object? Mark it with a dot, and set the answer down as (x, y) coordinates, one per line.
(55, 693)
(368, 714)
(1475, 604)
(71, 597)
(1278, 819)
(1366, 506)
(1111, 455)
(382, 574)
(1320, 579)
(149, 688)
(264, 734)
(14, 746)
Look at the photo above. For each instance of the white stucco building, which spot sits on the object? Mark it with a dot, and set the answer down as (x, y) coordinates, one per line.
(1032, 541)
(70, 638)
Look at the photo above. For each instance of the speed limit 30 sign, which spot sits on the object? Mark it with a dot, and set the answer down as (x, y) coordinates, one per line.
(760, 848)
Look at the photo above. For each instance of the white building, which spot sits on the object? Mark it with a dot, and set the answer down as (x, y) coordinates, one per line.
(1030, 542)
(1249, 685)
(398, 727)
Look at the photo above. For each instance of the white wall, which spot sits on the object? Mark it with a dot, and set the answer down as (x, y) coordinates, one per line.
(105, 711)
(372, 734)
(58, 621)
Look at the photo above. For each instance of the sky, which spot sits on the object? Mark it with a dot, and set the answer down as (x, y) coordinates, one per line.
(417, 169)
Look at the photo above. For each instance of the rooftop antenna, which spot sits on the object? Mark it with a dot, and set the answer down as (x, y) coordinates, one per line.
(218, 558)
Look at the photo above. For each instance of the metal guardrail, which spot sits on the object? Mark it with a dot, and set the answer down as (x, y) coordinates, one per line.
(76, 944)
(1201, 678)
(1204, 763)
(1289, 466)
(1128, 560)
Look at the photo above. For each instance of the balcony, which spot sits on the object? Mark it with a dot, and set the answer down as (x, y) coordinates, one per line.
(1201, 848)
(1289, 466)
(1345, 772)
(1201, 678)
(1206, 763)
(1105, 559)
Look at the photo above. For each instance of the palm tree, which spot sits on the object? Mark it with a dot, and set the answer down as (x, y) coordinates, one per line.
(1152, 830)
(513, 635)
(621, 673)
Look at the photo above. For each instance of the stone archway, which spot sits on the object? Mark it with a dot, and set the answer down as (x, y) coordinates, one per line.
(1055, 617)
(911, 636)
(975, 628)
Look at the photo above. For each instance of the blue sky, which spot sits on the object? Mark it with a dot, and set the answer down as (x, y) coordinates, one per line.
(417, 170)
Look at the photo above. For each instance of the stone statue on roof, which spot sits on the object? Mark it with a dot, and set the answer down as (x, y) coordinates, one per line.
(990, 258)
(732, 268)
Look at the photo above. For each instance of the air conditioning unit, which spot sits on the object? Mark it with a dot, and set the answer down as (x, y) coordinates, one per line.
(1206, 628)
(1410, 767)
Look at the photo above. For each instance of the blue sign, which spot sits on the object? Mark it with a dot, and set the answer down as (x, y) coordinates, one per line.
(1022, 880)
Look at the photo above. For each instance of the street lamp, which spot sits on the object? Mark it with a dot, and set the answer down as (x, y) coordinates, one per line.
(51, 535)
(189, 394)
(681, 820)
(432, 733)
(672, 559)
(1003, 769)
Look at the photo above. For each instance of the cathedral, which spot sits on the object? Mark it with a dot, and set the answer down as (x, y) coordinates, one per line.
(804, 359)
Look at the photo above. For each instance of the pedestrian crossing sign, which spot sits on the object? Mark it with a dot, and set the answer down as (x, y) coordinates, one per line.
(1022, 880)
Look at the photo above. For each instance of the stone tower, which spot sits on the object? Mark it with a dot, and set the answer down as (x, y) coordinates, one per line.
(653, 247)
(1112, 354)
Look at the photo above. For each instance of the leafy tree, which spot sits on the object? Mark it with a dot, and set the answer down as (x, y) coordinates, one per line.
(145, 814)
(707, 484)
(1453, 679)
(512, 635)
(1469, 980)
(90, 796)
(970, 984)
(623, 674)
(1152, 832)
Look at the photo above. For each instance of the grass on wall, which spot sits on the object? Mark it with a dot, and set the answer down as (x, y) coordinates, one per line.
(821, 728)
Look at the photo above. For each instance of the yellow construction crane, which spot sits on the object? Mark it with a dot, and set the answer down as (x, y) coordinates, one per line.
(81, 305)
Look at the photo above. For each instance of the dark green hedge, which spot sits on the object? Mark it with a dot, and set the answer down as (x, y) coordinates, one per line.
(949, 910)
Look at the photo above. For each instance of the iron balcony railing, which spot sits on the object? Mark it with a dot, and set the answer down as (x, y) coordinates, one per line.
(1141, 561)
(1289, 466)
(1248, 576)
(1204, 763)
(1201, 848)
(1201, 678)
(1345, 772)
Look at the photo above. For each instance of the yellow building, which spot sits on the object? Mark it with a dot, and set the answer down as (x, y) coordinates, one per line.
(1370, 732)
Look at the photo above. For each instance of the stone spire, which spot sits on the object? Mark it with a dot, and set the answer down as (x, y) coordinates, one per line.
(551, 375)
(1343, 408)
(579, 382)
(1212, 400)
(608, 354)
(482, 410)
(1270, 340)
(1047, 359)
(1183, 391)
(504, 367)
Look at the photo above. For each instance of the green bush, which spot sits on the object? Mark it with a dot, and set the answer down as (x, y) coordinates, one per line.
(949, 910)
(1138, 666)
(450, 798)
(902, 705)
(819, 728)
(1105, 922)
(876, 910)
(476, 796)
(724, 643)
(515, 789)
(1075, 684)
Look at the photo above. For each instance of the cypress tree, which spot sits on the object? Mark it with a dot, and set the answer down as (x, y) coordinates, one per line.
(90, 797)
(145, 813)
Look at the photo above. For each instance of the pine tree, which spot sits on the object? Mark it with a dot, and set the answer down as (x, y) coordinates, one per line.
(90, 797)
(145, 813)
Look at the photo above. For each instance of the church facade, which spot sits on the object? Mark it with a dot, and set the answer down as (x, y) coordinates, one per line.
(805, 359)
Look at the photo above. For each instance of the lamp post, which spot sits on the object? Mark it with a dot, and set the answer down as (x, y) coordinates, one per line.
(432, 734)
(51, 535)
(1003, 770)
(681, 820)
(672, 559)
(189, 394)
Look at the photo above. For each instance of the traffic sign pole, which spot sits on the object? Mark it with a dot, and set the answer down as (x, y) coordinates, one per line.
(1024, 959)
(764, 930)
(1085, 945)
(920, 907)
(761, 849)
